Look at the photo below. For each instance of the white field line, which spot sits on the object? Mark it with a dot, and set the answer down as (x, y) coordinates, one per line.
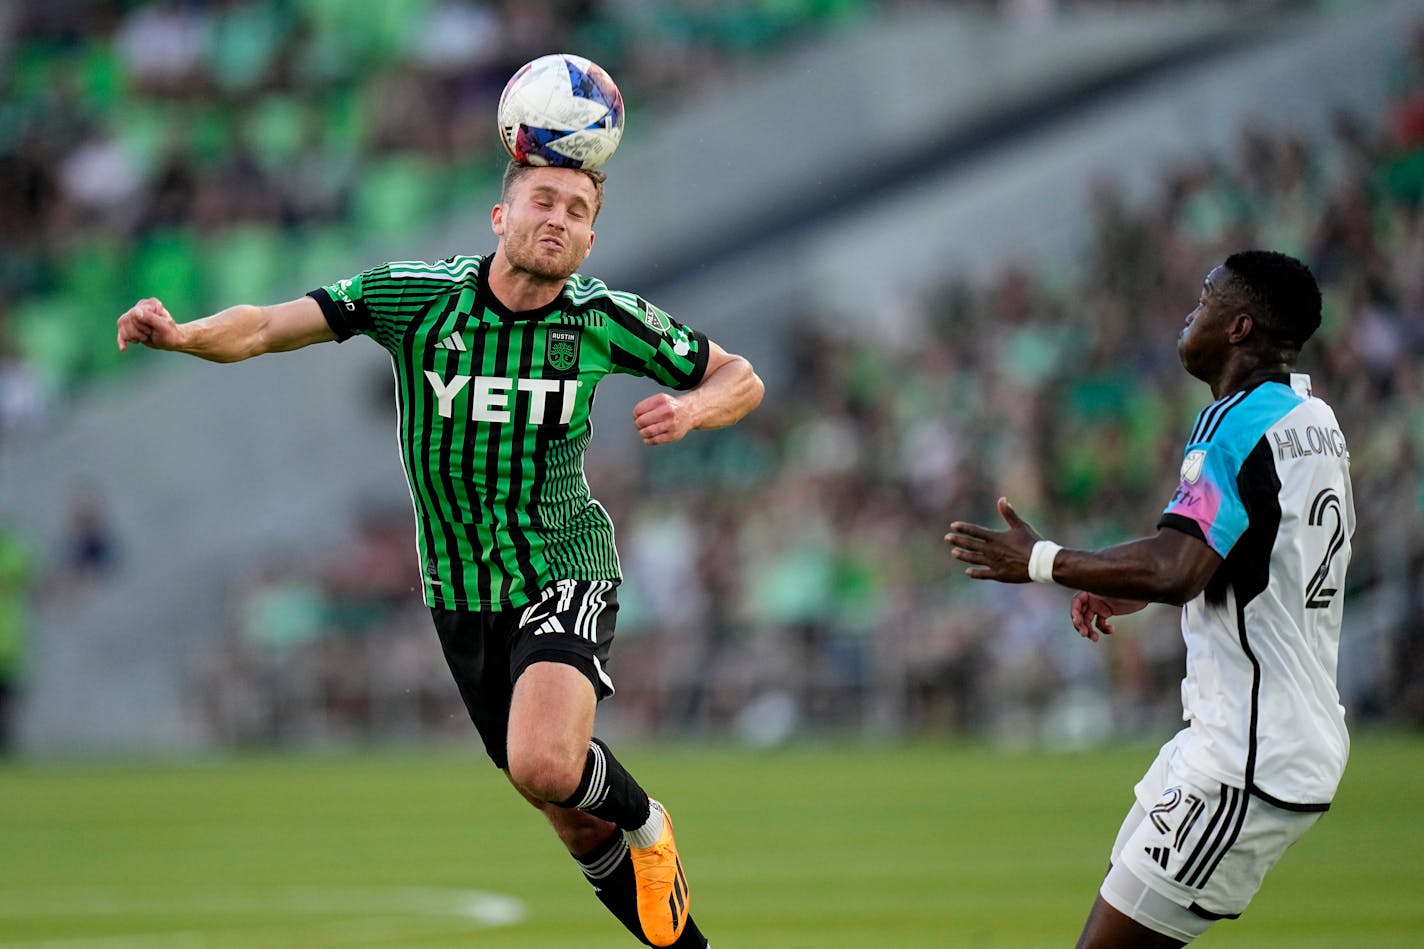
(359, 914)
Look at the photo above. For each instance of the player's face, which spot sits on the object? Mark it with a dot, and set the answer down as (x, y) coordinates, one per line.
(546, 226)
(1204, 340)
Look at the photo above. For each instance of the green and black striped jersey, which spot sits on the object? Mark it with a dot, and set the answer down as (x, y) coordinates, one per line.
(493, 408)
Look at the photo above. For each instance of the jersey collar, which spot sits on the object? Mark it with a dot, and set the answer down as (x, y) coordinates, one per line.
(485, 298)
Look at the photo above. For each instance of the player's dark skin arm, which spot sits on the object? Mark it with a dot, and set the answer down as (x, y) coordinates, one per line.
(1168, 567)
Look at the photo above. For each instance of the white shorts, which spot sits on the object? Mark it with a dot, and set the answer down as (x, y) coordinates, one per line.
(1193, 850)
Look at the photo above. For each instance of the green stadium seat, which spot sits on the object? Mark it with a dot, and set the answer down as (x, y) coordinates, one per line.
(243, 264)
(396, 195)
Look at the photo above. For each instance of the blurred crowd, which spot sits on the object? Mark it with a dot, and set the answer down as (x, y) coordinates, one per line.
(788, 575)
(784, 576)
(211, 146)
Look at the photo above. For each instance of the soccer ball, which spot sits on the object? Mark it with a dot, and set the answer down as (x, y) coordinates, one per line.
(561, 110)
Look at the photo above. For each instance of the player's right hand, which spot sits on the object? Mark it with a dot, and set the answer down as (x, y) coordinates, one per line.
(148, 322)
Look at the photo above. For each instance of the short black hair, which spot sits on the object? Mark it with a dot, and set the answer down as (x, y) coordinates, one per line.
(1280, 293)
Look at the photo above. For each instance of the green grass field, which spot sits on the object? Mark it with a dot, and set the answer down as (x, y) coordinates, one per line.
(805, 848)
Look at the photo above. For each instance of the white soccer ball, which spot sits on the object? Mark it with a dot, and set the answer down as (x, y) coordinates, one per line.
(561, 110)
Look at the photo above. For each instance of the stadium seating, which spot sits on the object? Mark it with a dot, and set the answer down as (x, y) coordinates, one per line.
(913, 379)
(201, 148)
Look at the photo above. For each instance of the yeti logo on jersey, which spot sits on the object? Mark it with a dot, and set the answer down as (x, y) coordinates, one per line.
(1192, 466)
(495, 398)
(562, 349)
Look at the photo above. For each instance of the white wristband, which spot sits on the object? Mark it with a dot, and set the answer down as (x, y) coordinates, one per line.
(1040, 561)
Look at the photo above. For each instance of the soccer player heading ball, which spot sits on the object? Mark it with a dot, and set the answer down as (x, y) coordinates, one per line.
(496, 357)
(1255, 543)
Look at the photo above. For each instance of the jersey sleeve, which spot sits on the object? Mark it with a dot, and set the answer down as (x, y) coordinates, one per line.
(1208, 503)
(645, 341)
(344, 305)
(378, 303)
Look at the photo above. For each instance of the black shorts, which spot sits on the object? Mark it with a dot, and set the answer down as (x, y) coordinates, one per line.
(571, 621)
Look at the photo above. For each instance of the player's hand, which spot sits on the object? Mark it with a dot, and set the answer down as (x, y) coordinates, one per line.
(995, 555)
(661, 419)
(148, 322)
(1091, 613)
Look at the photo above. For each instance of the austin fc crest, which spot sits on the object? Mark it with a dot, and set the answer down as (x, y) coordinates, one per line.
(562, 348)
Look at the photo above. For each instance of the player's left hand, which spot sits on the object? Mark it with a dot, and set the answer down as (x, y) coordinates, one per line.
(1091, 612)
(661, 418)
(995, 555)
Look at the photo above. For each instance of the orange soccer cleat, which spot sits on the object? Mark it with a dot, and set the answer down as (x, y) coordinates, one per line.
(663, 897)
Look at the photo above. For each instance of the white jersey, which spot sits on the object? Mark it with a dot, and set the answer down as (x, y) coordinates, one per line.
(1265, 482)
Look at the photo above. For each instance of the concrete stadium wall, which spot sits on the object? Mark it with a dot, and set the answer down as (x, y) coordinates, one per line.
(1029, 199)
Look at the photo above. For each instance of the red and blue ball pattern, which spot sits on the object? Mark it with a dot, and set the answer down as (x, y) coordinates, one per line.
(561, 110)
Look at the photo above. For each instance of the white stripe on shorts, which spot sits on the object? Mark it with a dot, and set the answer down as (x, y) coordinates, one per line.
(594, 603)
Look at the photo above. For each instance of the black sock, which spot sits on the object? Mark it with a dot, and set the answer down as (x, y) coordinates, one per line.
(607, 791)
(610, 872)
(609, 869)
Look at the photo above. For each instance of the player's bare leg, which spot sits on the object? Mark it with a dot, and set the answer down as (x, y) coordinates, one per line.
(550, 723)
(588, 797)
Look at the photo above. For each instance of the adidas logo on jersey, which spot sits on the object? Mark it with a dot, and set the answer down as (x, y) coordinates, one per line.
(452, 342)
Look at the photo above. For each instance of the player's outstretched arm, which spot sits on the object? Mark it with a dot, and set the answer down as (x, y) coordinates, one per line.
(729, 389)
(1168, 567)
(239, 332)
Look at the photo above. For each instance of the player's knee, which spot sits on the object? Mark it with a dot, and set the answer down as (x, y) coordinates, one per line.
(545, 773)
